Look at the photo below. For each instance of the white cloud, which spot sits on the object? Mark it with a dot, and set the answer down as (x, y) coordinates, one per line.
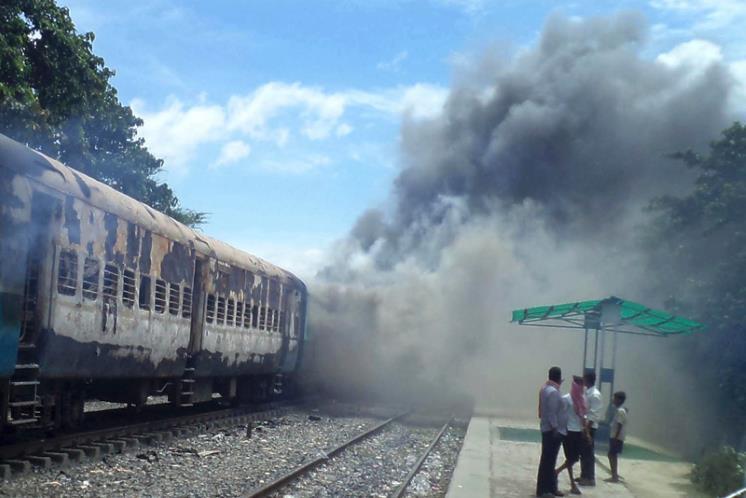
(233, 151)
(317, 111)
(711, 14)
(175, 132)
(276, 114)
(295, 165)
(694, 55)
(393, 64)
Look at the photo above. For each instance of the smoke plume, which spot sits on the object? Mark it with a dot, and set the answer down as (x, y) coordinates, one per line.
(527, 189)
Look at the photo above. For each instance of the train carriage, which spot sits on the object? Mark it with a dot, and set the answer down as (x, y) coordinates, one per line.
(103, 297)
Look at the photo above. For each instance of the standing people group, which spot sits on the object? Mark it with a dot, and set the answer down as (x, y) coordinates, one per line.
(571, 421)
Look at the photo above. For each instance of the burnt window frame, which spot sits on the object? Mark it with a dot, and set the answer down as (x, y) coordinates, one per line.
(145, 278)
(220, 310)
(210, 306)
(129, 287)
(160, 295)
(186, 302)
(68, 259)
(173, 310)
(262, 318)
(247, 315)
(255, 316)
(239, 313)
(230, 312)
(111, 293)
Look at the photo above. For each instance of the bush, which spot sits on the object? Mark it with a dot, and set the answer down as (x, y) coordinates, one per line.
(720, 472)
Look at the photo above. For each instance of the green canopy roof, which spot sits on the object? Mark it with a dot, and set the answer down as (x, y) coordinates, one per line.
(634, 318)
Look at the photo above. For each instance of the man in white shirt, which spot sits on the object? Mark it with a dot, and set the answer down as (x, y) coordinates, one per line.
(553, 429)
(593, 417)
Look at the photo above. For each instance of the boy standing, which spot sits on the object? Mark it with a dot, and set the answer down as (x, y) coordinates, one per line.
(618, 433)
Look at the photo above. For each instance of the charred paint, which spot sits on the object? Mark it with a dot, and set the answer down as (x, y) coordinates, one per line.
(72, 221)
(133, 245)
(145, 247)
(178, 264)
(111, 248)
(84, 188)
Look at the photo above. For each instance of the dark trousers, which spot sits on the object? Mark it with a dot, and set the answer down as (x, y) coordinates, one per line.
(588, 458)
(546, 480)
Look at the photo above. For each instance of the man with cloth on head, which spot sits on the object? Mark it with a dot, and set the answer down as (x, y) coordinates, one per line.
(575, 411)
(593, 417)
(553, 429)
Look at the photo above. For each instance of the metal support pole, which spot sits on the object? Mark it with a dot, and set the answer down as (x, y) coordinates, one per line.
(585, 351)
(595, 361)
(601, 360)
(613, 362)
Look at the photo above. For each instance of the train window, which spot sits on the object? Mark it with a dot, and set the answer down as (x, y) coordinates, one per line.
(220, 314)
(283, 329)
(276, 320)
(173, 299)
(255, 316)
(128, 288)
(160, 295)
(239, 313)
(210, 308)
(262, 317)
(90, 279)
(67, 278)
(296, 326)
(111, 282)
(186, 305)
(230, 314)
(247, 316)
(144, 301)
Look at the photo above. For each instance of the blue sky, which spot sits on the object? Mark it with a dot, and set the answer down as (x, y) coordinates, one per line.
(281, 119)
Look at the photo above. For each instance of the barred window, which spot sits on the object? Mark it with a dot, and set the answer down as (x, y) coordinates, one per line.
(160, 295)
(128, 288)
(220, 316)
(67, 278)
(262, 317)
(296, 326)
(111, 282)
(247, 316)
(230, 314)
(283, 328)
(144, 300)
(275, 320)
(173, 299)
(186, 305)
(255, 316)
(239, 313)
(210, 308)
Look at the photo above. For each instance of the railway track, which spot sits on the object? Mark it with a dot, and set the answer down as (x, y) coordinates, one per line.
(328, 457)
(18, 457)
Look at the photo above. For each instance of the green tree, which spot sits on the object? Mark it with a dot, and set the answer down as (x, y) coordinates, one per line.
(55, 96)
(700, 255)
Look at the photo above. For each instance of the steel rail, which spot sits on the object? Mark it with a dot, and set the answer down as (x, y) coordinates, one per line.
(37, 446)
(416, 468)
(302, 469)
(736, 494)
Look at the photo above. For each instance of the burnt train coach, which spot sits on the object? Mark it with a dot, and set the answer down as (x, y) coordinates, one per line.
(102, 297)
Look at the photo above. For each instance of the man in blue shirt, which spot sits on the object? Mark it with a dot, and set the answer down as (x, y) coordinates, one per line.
(552, 431)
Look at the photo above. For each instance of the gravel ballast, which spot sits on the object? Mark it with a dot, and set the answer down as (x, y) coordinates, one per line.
(227, 462)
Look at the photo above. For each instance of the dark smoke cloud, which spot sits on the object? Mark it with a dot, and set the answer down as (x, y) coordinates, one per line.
(526, 190)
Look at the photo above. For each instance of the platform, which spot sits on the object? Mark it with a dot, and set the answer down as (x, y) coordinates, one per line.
(500, 459)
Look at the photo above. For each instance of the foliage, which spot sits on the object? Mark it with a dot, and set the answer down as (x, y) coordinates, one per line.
(55, 96)
(700, 247)
(720, 472)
